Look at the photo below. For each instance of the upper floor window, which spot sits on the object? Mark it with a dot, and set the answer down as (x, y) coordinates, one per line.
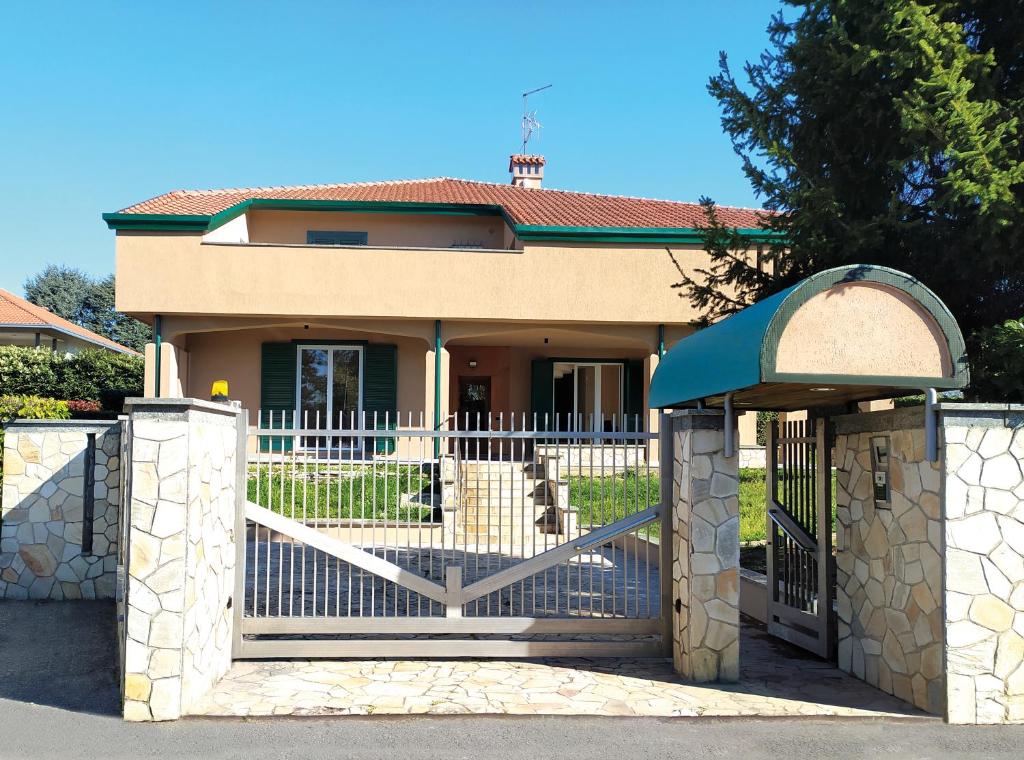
(335, 237)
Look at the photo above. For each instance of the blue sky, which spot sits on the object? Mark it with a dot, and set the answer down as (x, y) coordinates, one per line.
(104, 104)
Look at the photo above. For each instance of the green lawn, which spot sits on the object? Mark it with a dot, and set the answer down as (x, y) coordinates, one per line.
(600, 501)
(340, 492)
(752, 507)
(605, 499)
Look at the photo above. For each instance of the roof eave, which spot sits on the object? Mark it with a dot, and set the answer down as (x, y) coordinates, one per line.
(650, 235)
(43, 327)
(528, 232)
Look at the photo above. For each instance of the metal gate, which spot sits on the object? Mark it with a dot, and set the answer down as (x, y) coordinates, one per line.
(801, 569)
(379, 537)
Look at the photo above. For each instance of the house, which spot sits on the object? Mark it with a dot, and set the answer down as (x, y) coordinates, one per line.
(24, 324)
(435, 299)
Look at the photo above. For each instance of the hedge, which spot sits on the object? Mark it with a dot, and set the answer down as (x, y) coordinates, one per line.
(90, 375)
(28, 408)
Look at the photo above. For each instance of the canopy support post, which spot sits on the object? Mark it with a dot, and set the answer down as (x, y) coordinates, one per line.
(931, 436)
(730, 427)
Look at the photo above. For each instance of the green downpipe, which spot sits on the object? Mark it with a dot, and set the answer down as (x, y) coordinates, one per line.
(661, 341)
(157, 341)
(437, 384)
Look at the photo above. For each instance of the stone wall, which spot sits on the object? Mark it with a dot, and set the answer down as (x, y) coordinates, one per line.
(888, 561)
(753, 456)
(181, 553)
(44, 510)
(705, 549)
(984, 535)
(931, 590)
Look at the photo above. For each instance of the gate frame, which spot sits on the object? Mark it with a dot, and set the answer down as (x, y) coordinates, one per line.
(453, 594)
(783, 620)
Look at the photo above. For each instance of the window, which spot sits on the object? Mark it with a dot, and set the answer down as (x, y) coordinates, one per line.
(329, 391)
(335, 237)
(588, 396)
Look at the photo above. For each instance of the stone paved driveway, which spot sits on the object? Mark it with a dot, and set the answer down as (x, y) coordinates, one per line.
(777, 680)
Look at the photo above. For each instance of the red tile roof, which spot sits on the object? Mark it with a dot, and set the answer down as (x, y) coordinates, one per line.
(525, 206)
(17, 312)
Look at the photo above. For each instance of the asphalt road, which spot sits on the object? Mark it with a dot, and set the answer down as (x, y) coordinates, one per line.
(58, 698)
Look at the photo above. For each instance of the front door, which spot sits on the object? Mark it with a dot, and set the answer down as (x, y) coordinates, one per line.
(474, 410)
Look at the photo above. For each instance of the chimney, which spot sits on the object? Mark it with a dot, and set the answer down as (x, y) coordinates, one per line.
(527, 170)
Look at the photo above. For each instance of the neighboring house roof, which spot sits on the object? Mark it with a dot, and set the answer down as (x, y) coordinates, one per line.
(16, 312)
(540, 213)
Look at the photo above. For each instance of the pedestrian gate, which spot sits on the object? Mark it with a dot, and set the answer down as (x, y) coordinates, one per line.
(801, 569)
(501, 538)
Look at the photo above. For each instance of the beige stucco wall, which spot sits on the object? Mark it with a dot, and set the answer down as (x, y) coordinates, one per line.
(235, 356)
(863, 328)
(269, 226)
(177, 274)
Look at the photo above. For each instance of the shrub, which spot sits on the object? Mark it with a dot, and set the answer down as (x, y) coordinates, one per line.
(32, 408)
(997, 363)
(764, 419)
(79, 405)
(92, 374)
(28, 408)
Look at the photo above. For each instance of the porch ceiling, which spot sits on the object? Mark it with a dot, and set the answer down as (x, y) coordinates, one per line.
(557, 337)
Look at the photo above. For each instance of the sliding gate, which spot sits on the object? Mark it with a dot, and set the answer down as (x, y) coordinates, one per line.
(801, 569)
(495, 538)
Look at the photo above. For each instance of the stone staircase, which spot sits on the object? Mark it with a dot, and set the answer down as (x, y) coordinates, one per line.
(506, 502)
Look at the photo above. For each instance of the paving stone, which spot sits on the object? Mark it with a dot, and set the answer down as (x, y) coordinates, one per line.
(773, 682)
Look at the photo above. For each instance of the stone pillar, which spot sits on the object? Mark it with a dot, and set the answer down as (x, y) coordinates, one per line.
(184, 456)
(983, 453)
(930, 586)
(44, 552)
(705, 549)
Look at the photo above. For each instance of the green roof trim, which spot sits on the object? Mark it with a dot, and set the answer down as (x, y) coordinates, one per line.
(740, 352)
(652, 235)
(205, 223)
(526, 232)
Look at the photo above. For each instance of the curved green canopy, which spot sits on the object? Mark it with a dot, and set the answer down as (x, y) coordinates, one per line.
(737, 355)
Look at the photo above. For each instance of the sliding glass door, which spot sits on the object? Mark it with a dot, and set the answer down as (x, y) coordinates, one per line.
(588, 396)
(329, 392)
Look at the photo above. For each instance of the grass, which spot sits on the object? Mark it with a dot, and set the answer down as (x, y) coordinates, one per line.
(752, 508)
(326, 492)
(604, 500)
(340, 492)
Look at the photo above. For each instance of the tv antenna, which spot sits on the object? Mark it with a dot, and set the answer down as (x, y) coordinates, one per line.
(530, 123)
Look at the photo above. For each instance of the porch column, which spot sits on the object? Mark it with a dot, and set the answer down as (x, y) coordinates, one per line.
(705, 548)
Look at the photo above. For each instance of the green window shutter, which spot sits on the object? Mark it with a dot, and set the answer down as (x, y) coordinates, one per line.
(277, 392)
(380, 390)
(634, 396)
(542, 391)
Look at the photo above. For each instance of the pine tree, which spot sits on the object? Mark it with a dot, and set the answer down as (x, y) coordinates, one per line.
(880, 132)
